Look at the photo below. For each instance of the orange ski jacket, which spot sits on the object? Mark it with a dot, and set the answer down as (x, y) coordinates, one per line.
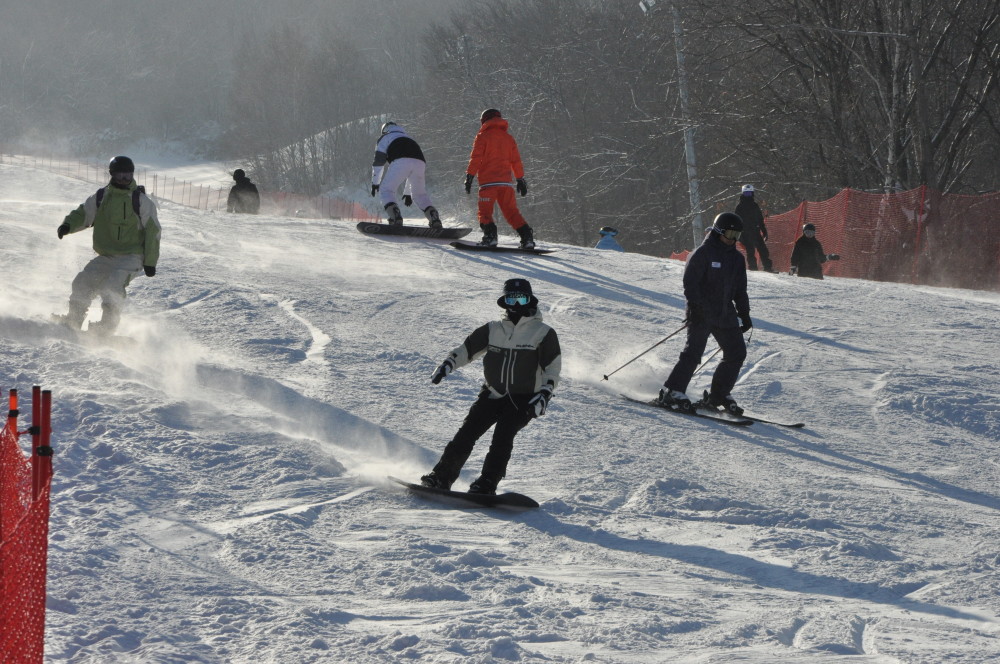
(495, 157)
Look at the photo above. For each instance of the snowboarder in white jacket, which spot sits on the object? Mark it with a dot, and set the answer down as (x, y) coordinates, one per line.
(399, 159)
(521, 364)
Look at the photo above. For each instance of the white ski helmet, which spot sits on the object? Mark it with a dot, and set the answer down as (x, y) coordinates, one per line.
(748, 189)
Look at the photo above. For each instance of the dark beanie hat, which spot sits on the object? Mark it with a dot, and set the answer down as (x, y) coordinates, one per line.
(517, 286)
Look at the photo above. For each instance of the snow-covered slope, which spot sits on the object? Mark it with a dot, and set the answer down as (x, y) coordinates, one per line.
(220, 490)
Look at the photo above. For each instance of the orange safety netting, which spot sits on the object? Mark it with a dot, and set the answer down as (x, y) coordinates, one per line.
(24, 531)
(919, 236)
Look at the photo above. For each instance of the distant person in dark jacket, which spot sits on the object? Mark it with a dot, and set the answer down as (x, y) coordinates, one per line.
(715, 287)
(754, 236)
(808, 256)
(243, 197)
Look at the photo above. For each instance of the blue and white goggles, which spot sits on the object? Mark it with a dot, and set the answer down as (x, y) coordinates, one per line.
(512, 299)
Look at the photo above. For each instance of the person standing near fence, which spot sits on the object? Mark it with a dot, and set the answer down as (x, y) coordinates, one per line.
(243, 197)
(808, 256)
(754, 238)
(127, 241)
(399, 159)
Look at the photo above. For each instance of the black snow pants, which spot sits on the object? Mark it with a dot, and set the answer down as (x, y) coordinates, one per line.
(734, 352)
(510, 414)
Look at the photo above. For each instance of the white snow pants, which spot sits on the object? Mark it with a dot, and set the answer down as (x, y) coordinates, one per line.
(411, 171)
(107, 277)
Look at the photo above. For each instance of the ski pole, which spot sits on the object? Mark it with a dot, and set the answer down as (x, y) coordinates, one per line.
(646, 351)
(707, 359)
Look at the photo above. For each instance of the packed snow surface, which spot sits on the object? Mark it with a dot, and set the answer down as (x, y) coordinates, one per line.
(220, 489)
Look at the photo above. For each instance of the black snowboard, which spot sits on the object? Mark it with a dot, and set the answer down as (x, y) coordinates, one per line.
(470, 246)
(371, 228)
(507, 501)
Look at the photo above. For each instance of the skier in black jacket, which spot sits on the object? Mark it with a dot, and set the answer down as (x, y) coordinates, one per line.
(808, 256)
(715, 287)
(754, 238)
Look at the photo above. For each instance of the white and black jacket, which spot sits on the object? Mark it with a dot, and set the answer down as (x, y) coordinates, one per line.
(518, 359)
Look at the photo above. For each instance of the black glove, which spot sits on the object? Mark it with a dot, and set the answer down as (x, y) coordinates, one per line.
(745, 322)
(374, 190)
(540, 401)
(694, 315)
(62, 230)
(446, 368)
(150, 270)
(468, 182)
(522, 187)
(833, 257)
(407, 200)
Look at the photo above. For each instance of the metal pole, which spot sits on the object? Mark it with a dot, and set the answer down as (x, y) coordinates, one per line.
(697, 228)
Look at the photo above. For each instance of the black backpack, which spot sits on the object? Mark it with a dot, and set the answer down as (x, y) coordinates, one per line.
(135, 198)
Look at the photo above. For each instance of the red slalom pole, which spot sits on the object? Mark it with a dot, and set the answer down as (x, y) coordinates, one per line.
(41, 434)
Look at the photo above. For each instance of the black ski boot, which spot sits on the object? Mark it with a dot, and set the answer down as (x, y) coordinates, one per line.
(489, 235)
(484, 485)
(434, 481)
(395, 216)
(674, 400)
(433, 220)
(726, 403)
(527, 237)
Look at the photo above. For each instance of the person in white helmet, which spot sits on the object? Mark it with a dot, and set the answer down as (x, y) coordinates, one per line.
(754, 238)
(399, 159)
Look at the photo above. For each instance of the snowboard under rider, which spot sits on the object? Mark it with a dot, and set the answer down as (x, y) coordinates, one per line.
(715, 287)
(521, 363)
(496, 161)
(399, 159)
(808, 256)
(127, 242)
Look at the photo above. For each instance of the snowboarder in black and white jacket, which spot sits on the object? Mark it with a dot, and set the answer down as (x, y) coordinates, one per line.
(399, 159)
(521, 364)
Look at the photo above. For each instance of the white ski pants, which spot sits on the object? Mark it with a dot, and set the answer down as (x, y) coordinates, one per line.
(107, 277)
(408, 170)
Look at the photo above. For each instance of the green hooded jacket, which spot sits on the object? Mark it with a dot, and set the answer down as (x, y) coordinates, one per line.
(117, 229)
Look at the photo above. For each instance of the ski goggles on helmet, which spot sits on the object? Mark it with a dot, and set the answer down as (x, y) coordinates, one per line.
(729, 233)
(512, 299)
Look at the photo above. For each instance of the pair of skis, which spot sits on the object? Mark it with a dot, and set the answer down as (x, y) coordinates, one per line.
(705, 412)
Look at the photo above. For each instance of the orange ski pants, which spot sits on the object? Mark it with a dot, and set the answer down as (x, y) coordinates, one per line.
(502, 195)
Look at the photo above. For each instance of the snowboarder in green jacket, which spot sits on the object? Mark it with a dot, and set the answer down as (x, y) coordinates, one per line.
(127, 241)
